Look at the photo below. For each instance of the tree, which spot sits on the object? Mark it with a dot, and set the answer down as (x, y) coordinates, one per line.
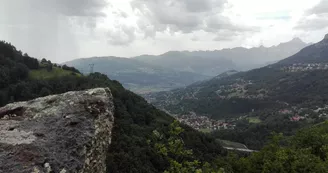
(44, 92)
(299, 156)
(19, 72)
(31, 63)
(315, 139)
(44, 61)
(4, 77)
(49, 67)
(173, 149)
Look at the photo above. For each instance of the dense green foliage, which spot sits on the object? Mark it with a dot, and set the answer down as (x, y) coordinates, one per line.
(17, 71)
(54, 72)
(173, 149)
(135, 119)
(255, 136)
(305, 152)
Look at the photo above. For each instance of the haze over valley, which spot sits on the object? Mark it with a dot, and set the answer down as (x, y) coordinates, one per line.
(149, 73)
(164, 86)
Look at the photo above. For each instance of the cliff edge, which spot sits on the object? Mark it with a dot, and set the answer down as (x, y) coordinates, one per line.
(64, 133)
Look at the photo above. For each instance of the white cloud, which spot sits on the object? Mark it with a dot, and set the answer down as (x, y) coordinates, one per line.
(122, 35)
(66, 29)
(184, 16)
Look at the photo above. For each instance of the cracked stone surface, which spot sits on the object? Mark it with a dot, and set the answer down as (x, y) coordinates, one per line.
(64, 133)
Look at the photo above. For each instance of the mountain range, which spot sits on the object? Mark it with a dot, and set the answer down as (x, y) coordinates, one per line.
(283, 96)
(126, 134)
(212, 63)
(149, 73)
(265, 84)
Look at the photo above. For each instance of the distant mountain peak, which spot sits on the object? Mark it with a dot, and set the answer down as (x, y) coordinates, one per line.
(316, 53)
(293, 42)
(297, 40)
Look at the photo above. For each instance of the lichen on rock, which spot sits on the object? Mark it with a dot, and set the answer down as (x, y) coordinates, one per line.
(70, 132)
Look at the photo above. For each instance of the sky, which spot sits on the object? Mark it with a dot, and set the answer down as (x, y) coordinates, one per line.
(62, 30)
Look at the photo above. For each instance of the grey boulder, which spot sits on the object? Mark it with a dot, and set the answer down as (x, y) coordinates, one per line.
(64, 133)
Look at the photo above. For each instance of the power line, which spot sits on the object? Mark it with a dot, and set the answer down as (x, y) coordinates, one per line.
(91, 67)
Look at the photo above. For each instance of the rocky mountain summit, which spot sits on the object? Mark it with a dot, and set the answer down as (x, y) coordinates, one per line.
(64, 133)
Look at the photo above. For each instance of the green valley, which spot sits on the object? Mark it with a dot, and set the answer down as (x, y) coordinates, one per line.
(163, 86)
(144, 135)
(255, 103)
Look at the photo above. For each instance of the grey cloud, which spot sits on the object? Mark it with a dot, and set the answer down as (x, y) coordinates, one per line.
(17, 11)
(123, 35)
(320, 8)
(222, 38)
(316, 23)
(316, 18)
(219, 23)
(147, 29)
(184, 16)
(195, 38)
(167, 14)
(45, 28)
(84, 12)
(225, 35)
(203, 5)
(186, 23)
(197, 5)
(81, 8)
(224, 29)
(216, 22)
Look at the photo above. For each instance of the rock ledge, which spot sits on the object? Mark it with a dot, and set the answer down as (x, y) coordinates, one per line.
(64, 133)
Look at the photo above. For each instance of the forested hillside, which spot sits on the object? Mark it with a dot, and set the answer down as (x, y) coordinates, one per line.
(135, 119)
(304, 152)
(145, 139)
(282, 97)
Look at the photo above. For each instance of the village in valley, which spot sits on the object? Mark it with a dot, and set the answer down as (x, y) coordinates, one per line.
(204, 123)
(239, 89)
(294, 114)
(305, 67)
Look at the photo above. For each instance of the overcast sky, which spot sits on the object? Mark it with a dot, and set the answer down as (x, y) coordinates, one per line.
(61, 30)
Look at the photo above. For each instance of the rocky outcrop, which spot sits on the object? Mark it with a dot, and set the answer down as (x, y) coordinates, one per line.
(66, 133)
